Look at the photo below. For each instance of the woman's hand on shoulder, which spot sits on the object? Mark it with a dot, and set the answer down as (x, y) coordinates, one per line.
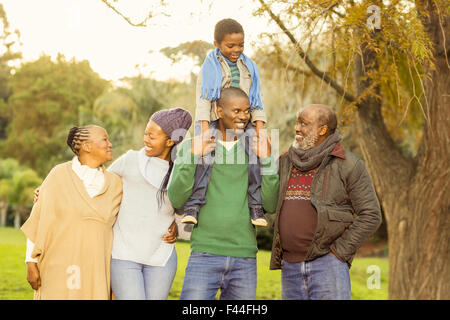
(36, 194)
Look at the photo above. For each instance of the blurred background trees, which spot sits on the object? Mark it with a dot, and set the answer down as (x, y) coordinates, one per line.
(48, 97)
(16, 190)
(9, 41)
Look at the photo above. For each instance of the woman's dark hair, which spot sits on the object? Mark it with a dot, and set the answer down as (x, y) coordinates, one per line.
(76, 136)
(163, 188)
(226, 26)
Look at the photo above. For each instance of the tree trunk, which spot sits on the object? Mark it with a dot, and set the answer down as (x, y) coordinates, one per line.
(17, 219)
(3, 212)
(415, 194)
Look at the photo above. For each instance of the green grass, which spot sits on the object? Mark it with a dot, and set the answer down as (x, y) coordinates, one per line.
(13, 274)
(14, 286)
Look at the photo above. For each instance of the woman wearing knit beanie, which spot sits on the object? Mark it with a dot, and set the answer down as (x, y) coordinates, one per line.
(144, 261)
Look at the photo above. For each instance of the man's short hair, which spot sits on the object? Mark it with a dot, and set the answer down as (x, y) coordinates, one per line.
(326, 116)
(229, 93)
(226, 26)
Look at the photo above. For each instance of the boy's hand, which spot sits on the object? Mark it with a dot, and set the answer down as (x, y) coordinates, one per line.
(172, 234)
(33, 276)
(203, 144)
(259, 125)
(261, 144)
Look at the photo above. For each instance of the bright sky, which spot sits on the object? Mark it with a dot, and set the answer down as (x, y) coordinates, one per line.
(88, 29)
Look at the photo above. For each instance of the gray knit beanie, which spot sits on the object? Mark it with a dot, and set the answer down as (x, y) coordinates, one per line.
(171, 121)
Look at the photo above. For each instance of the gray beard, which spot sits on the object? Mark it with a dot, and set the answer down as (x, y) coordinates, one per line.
(307, 142)
(305, 160)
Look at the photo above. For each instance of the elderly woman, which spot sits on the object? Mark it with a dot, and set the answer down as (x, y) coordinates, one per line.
(69, 230)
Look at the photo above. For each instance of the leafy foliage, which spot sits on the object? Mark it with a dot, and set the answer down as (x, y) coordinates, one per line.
(48, 98)
(16, 187)
(332, 32)
(196, 50)
(8, 55)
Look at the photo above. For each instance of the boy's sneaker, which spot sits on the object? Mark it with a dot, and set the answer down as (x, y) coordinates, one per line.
(257, 216)
(190, 217)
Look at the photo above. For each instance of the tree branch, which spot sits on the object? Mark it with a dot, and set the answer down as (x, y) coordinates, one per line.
(143, 23)
(338, 13)
(330, 8)
(323, 75)
(287, 65)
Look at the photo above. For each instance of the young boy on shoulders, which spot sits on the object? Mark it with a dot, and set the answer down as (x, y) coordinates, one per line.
(226, 66)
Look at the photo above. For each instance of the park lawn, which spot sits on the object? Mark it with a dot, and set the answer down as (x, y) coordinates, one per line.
(13, 282)
(14, 286)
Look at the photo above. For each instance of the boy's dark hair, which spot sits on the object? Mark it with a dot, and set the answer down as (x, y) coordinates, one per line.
(226, 26)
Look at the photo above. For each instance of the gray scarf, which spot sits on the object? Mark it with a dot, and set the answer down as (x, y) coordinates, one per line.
(305, 160)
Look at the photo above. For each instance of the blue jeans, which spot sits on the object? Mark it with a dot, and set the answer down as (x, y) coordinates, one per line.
(204, 169)
(324, 278)
(135, 281)
(206, 273)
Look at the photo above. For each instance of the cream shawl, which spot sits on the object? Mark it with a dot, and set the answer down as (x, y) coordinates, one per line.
(72, 233)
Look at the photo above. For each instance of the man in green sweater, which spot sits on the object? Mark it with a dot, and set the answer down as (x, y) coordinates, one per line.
(223, 242)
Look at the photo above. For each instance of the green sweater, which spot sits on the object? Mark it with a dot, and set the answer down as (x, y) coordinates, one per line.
(224, 226)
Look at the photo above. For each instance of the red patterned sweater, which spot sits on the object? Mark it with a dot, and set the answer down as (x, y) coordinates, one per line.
(298, 218)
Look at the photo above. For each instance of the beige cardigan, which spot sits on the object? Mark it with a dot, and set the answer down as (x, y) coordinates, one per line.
(72, 233)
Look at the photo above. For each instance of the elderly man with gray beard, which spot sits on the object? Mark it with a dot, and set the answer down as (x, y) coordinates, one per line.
(327, 208)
